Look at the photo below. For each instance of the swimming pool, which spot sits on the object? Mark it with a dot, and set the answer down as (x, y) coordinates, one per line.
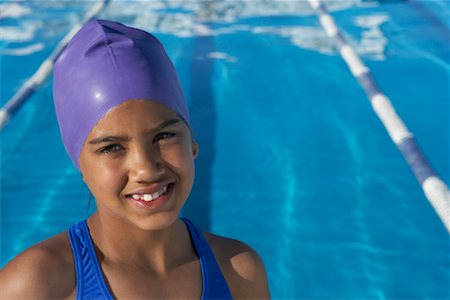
(292, 158)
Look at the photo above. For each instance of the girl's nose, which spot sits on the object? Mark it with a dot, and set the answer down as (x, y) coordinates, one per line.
(145, 164)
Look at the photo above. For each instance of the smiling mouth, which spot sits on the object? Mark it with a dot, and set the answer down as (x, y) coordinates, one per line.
(153, 196)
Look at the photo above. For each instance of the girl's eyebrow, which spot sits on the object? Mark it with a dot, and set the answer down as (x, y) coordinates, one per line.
(126, 138)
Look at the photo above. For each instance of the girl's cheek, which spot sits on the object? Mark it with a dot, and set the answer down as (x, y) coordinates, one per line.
(178, 155)
(111, 176)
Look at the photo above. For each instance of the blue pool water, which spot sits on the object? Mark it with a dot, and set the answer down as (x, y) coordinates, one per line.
(293, 160)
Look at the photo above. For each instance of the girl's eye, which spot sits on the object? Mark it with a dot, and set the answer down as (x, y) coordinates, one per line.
(111, 148)
(163, 135)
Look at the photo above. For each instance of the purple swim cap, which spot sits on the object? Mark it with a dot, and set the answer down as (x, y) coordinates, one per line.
(105, 64)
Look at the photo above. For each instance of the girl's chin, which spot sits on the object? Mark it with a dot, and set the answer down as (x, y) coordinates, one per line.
(158, 222)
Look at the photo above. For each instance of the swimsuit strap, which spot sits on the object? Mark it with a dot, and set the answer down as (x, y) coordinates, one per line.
(90, 282)
(214, 284)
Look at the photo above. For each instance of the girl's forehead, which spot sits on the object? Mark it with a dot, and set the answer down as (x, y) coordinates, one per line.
(136, 115)
(150, 110)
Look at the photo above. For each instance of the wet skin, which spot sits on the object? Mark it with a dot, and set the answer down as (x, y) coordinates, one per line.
(143, 155)
(139, 146)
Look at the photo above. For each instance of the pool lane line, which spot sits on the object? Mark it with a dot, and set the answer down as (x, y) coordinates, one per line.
(434, 187)
(34, 82)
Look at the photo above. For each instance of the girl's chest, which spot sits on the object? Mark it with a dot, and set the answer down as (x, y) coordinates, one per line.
(184, 282)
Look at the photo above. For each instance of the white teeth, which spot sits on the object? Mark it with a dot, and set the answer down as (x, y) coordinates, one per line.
(150, 197)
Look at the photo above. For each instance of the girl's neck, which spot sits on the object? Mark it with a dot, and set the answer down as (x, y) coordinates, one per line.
(118, 242)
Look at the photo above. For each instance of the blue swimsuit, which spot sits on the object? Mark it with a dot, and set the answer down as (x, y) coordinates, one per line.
(90, 281)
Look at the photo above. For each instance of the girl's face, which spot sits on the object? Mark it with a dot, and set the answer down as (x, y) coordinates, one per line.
(138, 162)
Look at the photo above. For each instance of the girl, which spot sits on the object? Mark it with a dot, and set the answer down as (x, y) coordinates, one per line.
(124, 123)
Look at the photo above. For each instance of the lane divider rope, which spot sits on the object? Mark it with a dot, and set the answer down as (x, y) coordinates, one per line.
(35, 81)
(435, 189)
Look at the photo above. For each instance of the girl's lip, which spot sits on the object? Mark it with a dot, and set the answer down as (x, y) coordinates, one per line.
(148, 190)
(154, 204)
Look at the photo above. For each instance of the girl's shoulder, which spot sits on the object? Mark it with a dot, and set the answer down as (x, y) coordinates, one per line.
(45, 270)
(241, 266)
